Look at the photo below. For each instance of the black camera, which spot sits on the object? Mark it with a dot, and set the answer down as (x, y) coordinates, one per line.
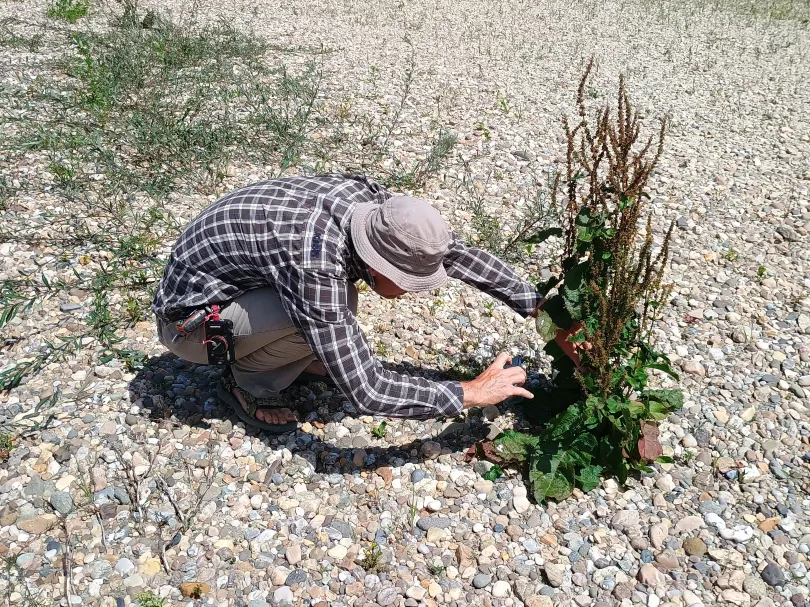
(219, 341)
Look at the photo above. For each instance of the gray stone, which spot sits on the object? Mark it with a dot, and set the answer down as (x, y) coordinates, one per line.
(62, 502)
(773, 575)
(388, 596)
(297, 576)
(124, 566)
(555, 574)
(100, 569)
(440, 522)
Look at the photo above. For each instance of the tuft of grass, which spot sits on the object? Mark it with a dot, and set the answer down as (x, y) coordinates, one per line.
(12, 40)
(68, 10)
(6, 445)
(372, 561)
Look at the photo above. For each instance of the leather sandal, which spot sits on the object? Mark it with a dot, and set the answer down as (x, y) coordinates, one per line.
(225, 393)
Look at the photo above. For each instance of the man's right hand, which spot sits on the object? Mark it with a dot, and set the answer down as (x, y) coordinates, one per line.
(495, 384)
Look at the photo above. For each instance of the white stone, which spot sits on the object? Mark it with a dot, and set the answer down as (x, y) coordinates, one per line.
(337, 552)
(665, 483)
(283, 594)
(501, 589)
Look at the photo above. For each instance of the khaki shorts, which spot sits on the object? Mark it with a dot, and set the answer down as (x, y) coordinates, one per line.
(270, 351)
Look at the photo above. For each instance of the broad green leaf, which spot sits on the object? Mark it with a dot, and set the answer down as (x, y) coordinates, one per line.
(659, 411)
(545, 326)
(551, 476)
(544, 235)
(578, 338)
(574, 289)
(494, 473)
(635, 408)
(673, 399)
(588, 477)
(515, 446)
(563, 423)
(665, 459)
(555, 308)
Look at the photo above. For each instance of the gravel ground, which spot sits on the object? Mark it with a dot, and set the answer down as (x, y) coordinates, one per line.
(143, 482)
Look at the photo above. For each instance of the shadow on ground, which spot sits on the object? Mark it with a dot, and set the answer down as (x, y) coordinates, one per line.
(176, 392)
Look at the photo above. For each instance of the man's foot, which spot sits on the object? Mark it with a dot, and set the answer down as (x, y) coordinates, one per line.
(267, 415)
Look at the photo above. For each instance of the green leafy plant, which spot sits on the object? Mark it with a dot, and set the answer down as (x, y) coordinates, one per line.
(380, 431)
(436, 569)
(6, 445)
(601, 417)
(68, 10)
(762, 271)
(373, 559)
(148, 598)
(494, 473)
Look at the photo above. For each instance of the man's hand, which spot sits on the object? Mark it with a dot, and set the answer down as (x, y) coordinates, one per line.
(496, 384)
(572, 349)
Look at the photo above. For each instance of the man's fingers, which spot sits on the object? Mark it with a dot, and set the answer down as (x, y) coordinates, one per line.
(522, 392)
(502, 359)
(515, 375)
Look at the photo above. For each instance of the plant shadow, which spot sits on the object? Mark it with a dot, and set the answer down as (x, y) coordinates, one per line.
(175, 392)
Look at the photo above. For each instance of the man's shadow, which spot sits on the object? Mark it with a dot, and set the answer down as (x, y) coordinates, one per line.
(175, 392)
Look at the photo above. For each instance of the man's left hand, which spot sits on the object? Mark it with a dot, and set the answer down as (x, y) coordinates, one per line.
(572, 349)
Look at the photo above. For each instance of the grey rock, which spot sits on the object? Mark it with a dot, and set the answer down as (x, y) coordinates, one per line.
(62, 502)
(69, 307)
(388, 596)
(773, 575)
(124, 566)
(481, 580)
(441, 522)
(297, 576)
(100, 569)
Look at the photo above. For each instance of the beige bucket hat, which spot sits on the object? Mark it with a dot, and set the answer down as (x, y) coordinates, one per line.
(404, 239)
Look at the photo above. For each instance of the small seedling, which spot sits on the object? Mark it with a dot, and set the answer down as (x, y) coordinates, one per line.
(149, 599)
(6, 444)
(436, 569)
(761, 271)
(380, 431)
(688, 456)
(197, 592)
(731, 255)
(372, 561)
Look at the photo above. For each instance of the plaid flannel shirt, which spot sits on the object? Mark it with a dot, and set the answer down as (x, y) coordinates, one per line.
(293, 234)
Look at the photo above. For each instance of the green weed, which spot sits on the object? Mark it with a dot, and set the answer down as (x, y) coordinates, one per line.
(373, 559)
(68, 10)
(148, 598)
(380, 431)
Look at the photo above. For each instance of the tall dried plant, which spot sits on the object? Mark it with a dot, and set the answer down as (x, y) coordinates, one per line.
(600, 417)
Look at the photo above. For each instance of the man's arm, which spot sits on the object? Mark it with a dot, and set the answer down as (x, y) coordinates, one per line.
(318, 306)
(489, 274)
(332, 332)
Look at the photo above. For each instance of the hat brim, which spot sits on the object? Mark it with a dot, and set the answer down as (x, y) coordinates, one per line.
(363, 247)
